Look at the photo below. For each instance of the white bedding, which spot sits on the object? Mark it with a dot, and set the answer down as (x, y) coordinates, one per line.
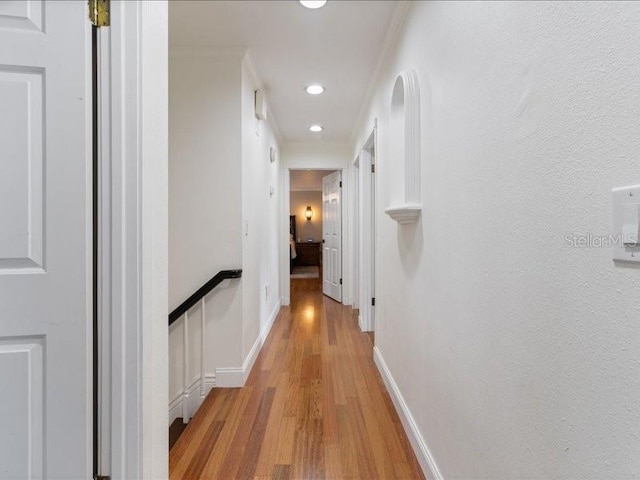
(292, 247)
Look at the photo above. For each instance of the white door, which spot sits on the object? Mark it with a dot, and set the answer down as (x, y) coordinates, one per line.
(45, 240)
(332, 236)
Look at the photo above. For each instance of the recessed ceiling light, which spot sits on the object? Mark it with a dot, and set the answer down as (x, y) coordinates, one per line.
(315, 89)
(316, 128)
(313, 4)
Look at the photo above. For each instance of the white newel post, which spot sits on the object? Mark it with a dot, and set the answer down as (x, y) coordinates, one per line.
(202, 340)
(185, 366)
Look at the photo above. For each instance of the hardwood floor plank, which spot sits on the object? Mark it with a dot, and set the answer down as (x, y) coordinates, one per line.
(281, 472)
(347, 439)
(204, 450)
(364, 452)
(332, 463)
(269, 449)
(331, 332)
(286, 441)
(314, 407)
(183, 452)
(383, 460)
(252, 450)
(226, 439)
(233, 459)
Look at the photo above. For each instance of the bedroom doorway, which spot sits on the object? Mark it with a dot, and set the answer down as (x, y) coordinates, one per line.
(306, 227)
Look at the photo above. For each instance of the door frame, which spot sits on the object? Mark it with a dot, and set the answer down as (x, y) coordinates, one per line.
(367, 230)
(132, 290)
(325, 255)
(285, 281)
(353, 234)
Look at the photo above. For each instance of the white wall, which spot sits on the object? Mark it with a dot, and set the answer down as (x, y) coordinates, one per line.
(222, 216)
(205, 221)
(517, 355)
(298, 203)
(261, 210)
(314, 155)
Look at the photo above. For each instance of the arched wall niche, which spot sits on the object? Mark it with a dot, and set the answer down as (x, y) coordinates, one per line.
(404, 132)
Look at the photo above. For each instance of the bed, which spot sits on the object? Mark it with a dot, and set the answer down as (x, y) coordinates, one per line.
(292, 241)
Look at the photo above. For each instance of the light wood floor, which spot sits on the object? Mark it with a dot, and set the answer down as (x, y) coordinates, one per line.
(314, 407)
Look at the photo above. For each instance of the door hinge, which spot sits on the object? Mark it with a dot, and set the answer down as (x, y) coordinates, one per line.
(373, 168)
(340, 184)
(340, 281)
(373, 302)
(101, 477)
(100, 12)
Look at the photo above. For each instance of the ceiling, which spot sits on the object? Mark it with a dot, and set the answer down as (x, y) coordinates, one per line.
(292, 46)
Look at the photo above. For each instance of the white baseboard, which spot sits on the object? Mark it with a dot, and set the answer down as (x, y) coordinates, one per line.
(230, 377)
(361, 323)
(193, 396)
(423, 454)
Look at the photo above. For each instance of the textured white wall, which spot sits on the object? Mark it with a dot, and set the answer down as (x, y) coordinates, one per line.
(517, 355)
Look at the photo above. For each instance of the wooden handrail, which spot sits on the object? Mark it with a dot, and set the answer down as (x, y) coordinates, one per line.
(201, 292)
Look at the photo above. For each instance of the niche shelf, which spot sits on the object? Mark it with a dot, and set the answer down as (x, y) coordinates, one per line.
(404, 213)
(405, 146)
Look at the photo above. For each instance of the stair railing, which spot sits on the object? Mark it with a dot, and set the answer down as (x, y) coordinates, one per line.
(182, 311)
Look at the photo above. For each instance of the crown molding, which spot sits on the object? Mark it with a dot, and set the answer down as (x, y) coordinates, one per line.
(400, 13)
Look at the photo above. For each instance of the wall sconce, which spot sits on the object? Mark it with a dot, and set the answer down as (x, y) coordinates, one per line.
(308, 213)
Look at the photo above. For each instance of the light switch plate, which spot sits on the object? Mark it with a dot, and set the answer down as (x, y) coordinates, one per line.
(622, 198)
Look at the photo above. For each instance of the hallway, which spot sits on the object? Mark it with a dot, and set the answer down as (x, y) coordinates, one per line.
(314, 406)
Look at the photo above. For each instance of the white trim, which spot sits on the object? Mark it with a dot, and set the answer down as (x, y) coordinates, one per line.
(186, 390)
(285, 255)
(151, 127)
(366, 231)
(196, 395)
(133, 104)
(404, 214)
(285, 280)
(305, 189)
(420, 448)
(133, 237)
(352, 242)
(361, 324)
(107, 327)
(396, 24)
(230, 377)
